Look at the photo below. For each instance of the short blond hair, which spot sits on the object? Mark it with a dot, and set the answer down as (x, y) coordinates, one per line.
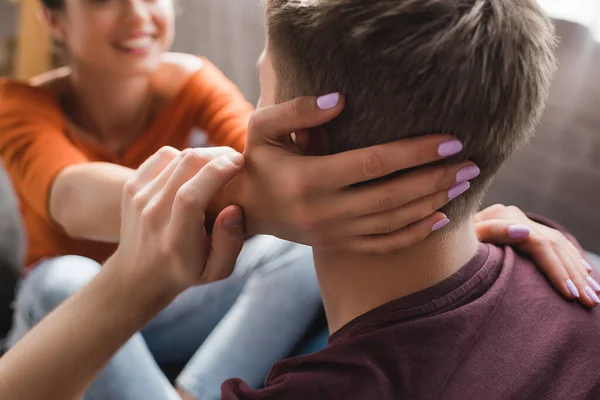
(479, 69)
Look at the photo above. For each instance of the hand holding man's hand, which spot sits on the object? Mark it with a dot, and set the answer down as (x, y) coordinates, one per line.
(164, 246)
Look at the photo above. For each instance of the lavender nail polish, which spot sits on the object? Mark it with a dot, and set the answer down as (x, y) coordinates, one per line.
(467, 173)
(328, 101)
(458, 189)
(572, 288)
(450, 148)
(518, 231)
(593, 283)
(587, 265)
(440, 224)
(592, 294)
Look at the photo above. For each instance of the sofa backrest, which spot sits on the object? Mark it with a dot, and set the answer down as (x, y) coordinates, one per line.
(558, 174)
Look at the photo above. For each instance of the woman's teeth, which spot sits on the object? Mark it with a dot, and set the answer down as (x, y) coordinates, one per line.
(137, 43)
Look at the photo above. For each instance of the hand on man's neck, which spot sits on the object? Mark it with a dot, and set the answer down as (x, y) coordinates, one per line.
(353, 284)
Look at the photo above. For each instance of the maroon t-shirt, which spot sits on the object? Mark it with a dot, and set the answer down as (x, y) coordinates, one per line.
(494, 330)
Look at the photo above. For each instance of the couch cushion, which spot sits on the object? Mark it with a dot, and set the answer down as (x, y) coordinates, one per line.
(12, 249)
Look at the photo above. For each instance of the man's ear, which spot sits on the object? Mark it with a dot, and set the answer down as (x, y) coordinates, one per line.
(53, 22)
(312, 142)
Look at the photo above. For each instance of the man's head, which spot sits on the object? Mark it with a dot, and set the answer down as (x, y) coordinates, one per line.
(479, 69)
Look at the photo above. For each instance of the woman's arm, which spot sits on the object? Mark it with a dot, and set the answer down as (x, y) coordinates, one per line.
(59, 358)
(162, 252)
(85, 200)
(223, 112)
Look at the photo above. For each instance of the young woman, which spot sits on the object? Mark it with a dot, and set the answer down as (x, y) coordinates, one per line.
(71, 138)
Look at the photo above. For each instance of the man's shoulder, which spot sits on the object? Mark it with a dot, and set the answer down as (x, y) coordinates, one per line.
(320, 375)
(531, 302)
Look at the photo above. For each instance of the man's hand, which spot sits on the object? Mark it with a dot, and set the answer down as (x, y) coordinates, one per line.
(550, 249)
(164, 247)
(315, 200)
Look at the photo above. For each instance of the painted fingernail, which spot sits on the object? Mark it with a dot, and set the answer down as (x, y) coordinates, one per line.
(593, 283)
(587, 265)
(450, 148)
(328, 101)
(440, 224)
(467, 173)
(458, 189)
(518, 231)
(572, 288)
(592, 294)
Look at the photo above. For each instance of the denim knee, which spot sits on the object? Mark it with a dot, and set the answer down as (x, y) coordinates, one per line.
(51, 282)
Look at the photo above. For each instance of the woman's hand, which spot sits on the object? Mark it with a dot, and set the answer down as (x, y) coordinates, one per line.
(164, 248)
(314, 200)
(551, 250)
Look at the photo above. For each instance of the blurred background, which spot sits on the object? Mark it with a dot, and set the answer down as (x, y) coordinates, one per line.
(557, 175)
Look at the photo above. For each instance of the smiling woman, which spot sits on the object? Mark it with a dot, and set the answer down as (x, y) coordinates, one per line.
(71, 137)
(107, 34)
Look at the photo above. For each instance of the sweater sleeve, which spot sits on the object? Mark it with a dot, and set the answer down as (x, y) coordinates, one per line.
(33, 145)
(223, 113)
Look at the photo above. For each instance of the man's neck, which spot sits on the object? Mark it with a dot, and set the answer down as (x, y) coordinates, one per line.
(113, 109)
(353, 284)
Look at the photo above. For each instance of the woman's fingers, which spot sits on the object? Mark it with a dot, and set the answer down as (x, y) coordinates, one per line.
(193, 160)
(555, 255)
(186, 225)
(571, 264)
(362, 165)
(578, 261)
(403, 238)
(227, 242)
(497, 211)
(587, 265)
(548, 262)
(153, 166)
(448, 182)
(187, 164)
(269, 124)
(401, 217)
(501, 231)
(194, 196)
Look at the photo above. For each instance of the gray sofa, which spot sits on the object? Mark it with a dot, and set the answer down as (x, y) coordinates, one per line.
(558, 174)
(12, 245)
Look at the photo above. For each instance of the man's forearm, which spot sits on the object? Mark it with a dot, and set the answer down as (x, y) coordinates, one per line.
(61, 356)
(86, 200)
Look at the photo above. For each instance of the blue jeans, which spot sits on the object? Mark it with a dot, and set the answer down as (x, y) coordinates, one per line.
(238, 327)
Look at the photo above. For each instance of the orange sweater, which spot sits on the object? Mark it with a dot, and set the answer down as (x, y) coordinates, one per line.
(36, 144)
